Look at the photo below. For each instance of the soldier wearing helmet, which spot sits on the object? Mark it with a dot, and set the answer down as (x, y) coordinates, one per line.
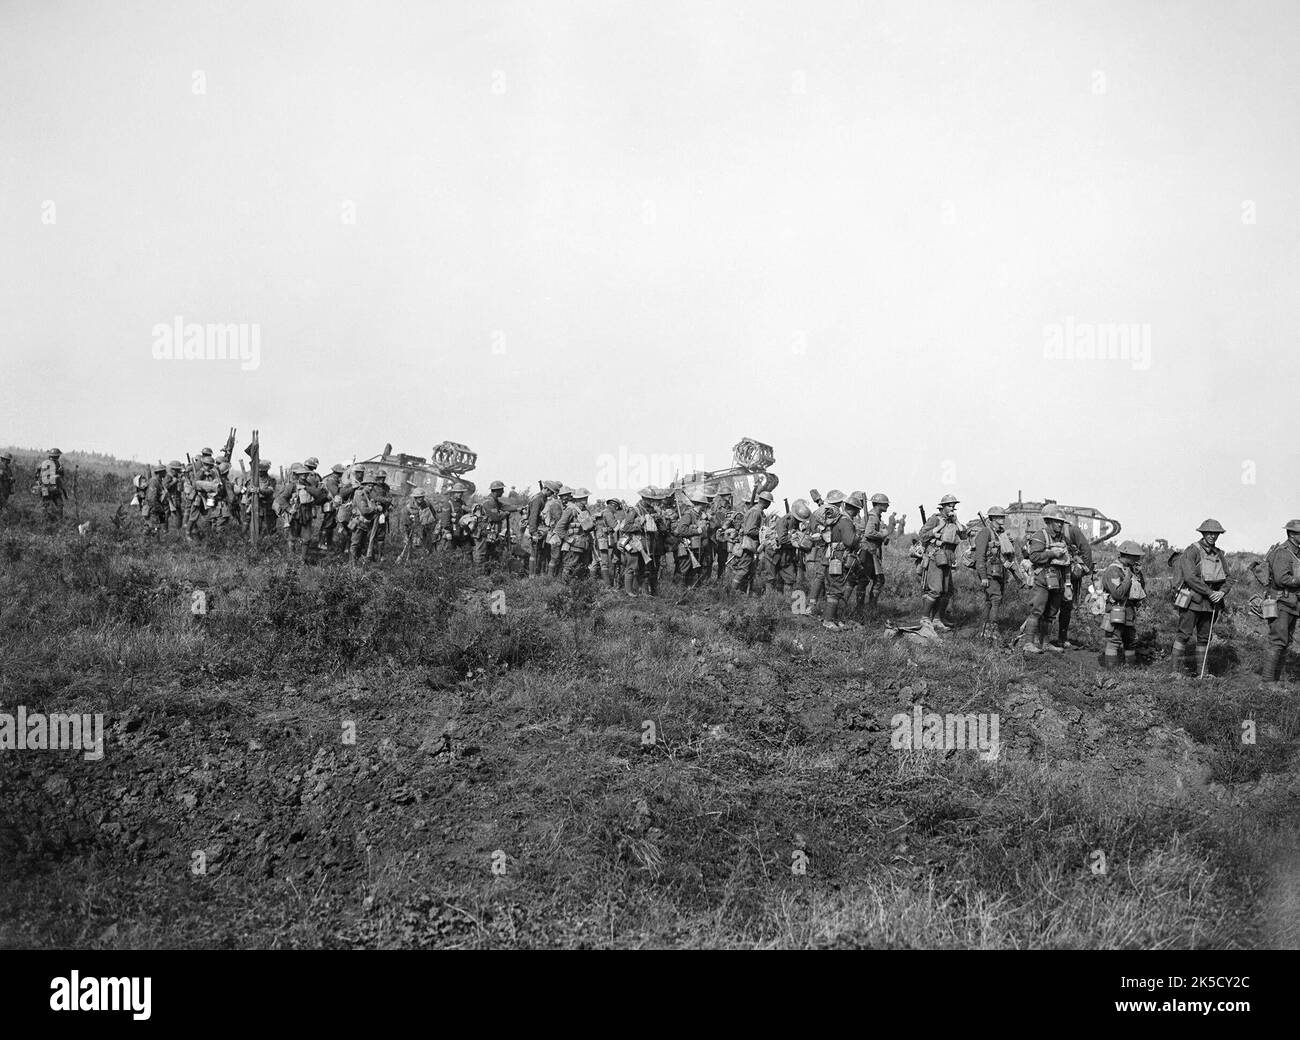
(154, 506)
(6, 477)
(870, 571)
(636, 542)
(1125, 588)
(1282, 601)
(418, 521)
(1080, 567)
(174, 485)
(722, 529)
(744, 552)
(298, 504)
(994, 555)
(837, 548)
(551, 514)
(1049, 556)
(800, 539)
(203, 491)
(608, 558)
(451, 532)
(49, 485)
(576, 526)
(782, 553)
(535, 529)
(260, 494)
(690, 529)
(938, 539)
(491, 522)
(332, 486)
(1203, 579)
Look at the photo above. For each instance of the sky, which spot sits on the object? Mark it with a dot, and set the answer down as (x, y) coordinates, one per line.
(875, 236)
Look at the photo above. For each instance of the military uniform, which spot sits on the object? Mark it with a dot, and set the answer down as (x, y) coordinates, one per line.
(1283, 563)
(636, 542)
(6, 478)
(869, 577)
(783, 554)
(49, 483)
(536, 527)
(491, 528)
(723, 530)
(994, 554)
(607, 527)
(1203, 576)
(175, 486)
(155, 501)
(201, 490)
(1125, 588)
(939, 537)
(368, 519)
(839, 544)
(744, 552)
(1080, 567)
(691, 531)
(1050, 557)
(331, 484)
(551, 513)
(575, 526)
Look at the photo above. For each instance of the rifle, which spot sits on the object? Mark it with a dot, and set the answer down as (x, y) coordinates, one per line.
(923, 516)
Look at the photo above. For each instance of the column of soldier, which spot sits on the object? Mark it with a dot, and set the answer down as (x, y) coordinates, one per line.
(833, 552)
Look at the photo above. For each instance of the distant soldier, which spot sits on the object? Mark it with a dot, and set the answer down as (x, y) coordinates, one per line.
(855, 508)
(175, 486)
(1203, 576)
(691, 529)
(552, 513)
(801, 539)
(451, 533)
(819, 523)
(262, 497)
(709, 495)
(332, 484)
(223, 513)
(491, 527)
(575, 526)
(418, 523)
(744, 553)
(1049, 555)
(312, 465)
(1125, 588)
(202, 486)
(301, 500)
(6, 478)
(723, 528)
(607, 532)
(783, 554)
(155, 501)
(535, 529)
(839, 542)
(995, 554)
(870, 578)
(939, 537)
(1080, 567)
(49, 485)
(381, 496)
(639, 527)
(1282, 603)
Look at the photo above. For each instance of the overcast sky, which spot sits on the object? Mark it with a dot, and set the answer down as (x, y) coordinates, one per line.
(556, 231)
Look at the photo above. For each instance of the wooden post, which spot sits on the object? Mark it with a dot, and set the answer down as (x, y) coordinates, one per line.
(255, 520)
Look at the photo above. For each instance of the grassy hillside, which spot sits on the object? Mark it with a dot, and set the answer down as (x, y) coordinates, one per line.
(501, 790)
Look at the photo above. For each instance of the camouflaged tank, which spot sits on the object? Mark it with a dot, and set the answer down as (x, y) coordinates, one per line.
(447, 464)
(746, 476)
(1024, 517)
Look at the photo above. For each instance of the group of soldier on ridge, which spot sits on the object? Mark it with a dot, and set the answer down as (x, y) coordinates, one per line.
(830, 551)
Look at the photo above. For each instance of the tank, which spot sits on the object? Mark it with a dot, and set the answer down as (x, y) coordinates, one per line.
(448, 462)
(1023, 517)
(746, 476)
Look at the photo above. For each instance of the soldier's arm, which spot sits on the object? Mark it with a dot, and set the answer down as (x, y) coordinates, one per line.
(981, 547)
(1039, 553)
(1116, 582)
(1191, 564)
(1285, 573)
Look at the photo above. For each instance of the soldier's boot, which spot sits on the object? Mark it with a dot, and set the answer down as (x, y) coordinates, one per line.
(1033, 642)
(1202, 651)
(1110, 659)
(1130, 658)
(1044, 628)
(1270, 671)
(1178, 658)
(832, 614)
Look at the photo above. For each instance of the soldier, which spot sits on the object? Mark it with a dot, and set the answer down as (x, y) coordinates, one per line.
(49, 483)
(636, 539)
(1125, 588)
(1203, 574)
(709, 495)
(312, 464)
(329, 507)
(202, 486)
(155, 501)
(263, 498)
(418, 522)
(744, 553)
(381, 497)
(575, 526)
(839, 543)
(6, 478)
(691, 530)
(491, 527)
(362, 510)
(300, 502)
(222, 513)
(820, 520)
(175, 486)
(551, 514)
(538, 549)
(1049, 555)
(723, 527)
(607, 531)
(939, 537)
(1282, 600)
(801, 539)
(1080, 567)
(452, 534)
(994, 554)
(783, 554)
(871, 554)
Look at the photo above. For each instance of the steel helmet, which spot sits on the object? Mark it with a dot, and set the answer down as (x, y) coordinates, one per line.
(699, 499)
(6, 456)
(297, 468)
(553, 486)
(54, 453)
(418, 493)
(496, 485)
(949, 500)
(834, 497)
(338, 467)
(457, 488)
(1293, 525)
(224, 467)
(1210, 527)
(995, 511)
(765, 496)
(858, 500)
(648, 493)
(581, 494)
(800, 509)
(1053, 513)
(160, 468)
(1131, 548)
(312, 462)
(380, 478)
(174, 464)
(264, 466)
(879, 499)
